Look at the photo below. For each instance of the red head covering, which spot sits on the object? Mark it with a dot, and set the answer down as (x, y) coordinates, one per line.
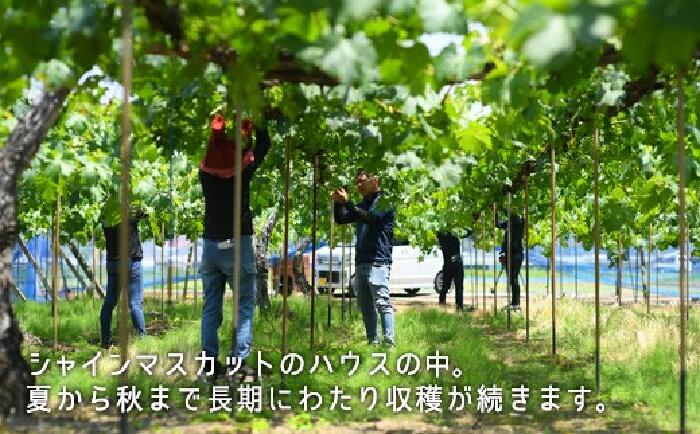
(221, 151)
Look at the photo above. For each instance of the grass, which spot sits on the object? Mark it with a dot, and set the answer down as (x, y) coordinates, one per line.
(639, 358)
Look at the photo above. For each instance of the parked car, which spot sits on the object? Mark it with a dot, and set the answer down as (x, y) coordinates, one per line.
(411, 270)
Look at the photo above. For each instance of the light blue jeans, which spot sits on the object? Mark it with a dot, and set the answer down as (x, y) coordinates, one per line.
(217, 269)
(372, 289)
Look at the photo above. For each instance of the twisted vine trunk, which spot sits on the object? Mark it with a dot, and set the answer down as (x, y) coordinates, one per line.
(298, 267)
(15, 156)
(261, 248)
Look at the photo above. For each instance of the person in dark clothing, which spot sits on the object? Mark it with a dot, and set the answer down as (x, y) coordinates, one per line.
(217, 175)
(517, 227)
(111, 233)
(374, 217)
(452, 268)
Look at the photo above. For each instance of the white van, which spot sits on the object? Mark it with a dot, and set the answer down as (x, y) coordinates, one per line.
(411, 270)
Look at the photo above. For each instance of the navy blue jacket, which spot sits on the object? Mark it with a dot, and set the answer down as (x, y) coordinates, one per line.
(375, 227)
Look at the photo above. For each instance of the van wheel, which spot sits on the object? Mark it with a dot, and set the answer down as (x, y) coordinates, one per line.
(437, 283)
(412, 291)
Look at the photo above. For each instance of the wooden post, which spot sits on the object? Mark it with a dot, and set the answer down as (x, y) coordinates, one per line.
(575, 266)
(92, 288)
(287, 157)
(314, 222)
(648, 292)
(682, 242)
(342, 272)
(476, 274)
(596, 251)
(495, 278)
(527, 257)
(54, 269)
(483, 268)
(330, 264)
(175, 266)
(471, 276)
(127, 61)
(509, 251)
(619, 269)
(170, 271)
(196, 279)
(155, 268)
(554, 260)
(562, 294)
(162, 272)
(237, 239)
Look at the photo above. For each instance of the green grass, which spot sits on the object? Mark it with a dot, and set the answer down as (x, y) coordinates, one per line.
(639, 357)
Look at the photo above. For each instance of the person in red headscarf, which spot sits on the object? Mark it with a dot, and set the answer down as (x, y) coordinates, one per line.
(217, 174)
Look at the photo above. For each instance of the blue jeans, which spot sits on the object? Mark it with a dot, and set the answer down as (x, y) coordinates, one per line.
(372, 289)
(112, 298)
(217, 268)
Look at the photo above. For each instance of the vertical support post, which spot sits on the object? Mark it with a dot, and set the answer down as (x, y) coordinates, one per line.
(476, 274)
(237, 239)
(330, 265)
(469, 259)
(162, 272)
(155, 268)
(285, 246)
(123, 281)
(682, 236)
(175, 268)
(657, 276)
(596, 251)
(92, 288)
(554, 247)
(619, 269)
(342, 272)
(195, 269)
(483, 268)
(561, 274)
(648, 292)
(56, 241)
(509, 251)
(170, 272)
(575, 266)
(527, 257)
(495, 278)
(314, 207)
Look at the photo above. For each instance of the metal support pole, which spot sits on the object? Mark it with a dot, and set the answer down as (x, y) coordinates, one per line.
(509, 251)
(483, 268)
(330, 264)
(195, 269)
(619, 269)
(342, 272)
(554, 246)
(682, 236)
(56, 241)
(495, 278)
(596, 251)
(314, 217)
(287, 158)
(575, 266)
(127, 62)
(527, 257)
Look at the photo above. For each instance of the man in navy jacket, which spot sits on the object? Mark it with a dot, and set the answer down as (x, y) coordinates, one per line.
(374, 217)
